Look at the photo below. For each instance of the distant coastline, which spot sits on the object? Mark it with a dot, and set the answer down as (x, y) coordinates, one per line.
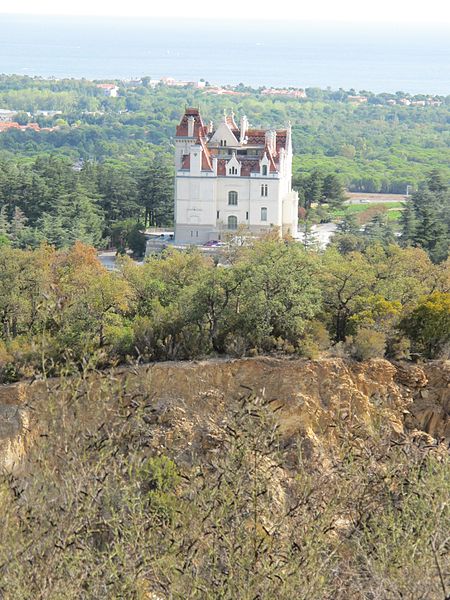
(384, 58)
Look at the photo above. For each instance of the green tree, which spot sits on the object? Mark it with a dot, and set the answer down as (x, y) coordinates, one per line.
(428, 325)
(333, 191)
(155, 192)
(408, 223)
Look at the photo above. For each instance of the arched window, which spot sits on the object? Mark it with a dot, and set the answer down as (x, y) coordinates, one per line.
(232, 171)
(232, 222)
(264, 169)
(232, 198)
(263, 213)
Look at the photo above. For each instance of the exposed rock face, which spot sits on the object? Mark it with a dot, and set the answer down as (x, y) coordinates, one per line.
(14, 426)
(430, 409)
(310, 398)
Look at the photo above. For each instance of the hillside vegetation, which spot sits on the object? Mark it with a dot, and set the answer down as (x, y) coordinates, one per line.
(176, 481)
(63, 310)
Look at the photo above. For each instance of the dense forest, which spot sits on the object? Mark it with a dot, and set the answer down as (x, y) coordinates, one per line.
(103, 169)
(372, 147)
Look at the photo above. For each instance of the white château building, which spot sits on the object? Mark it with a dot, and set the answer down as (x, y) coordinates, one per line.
(231, 176)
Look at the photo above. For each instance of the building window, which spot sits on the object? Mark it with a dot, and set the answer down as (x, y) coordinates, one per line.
(196, 233)
(264, 169)
(232, 171)
(223, 142)
(192, 234)
(246, 215)
(264, 190)
(263, 213)
(232, 198)
(218, 214)
(232, 222)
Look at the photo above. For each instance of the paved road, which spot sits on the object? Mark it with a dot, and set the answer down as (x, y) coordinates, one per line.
(355, 198)
(321, 233)
(108, 259)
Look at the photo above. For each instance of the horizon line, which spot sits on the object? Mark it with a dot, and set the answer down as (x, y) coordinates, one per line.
(242, 19)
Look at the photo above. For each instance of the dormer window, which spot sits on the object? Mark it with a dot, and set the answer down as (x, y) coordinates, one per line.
(233, 171)
(264, 170)
(223, 143)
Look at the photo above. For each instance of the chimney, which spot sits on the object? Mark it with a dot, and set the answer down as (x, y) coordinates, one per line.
(244, 127)
(191, 122)
(271, 141)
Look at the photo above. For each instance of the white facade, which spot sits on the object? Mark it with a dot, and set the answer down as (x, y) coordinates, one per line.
(231, 177)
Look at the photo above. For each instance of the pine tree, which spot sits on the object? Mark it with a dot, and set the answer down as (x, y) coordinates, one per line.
(4, 227)
(408, 224)
(436, 181)
(313, 187)
(18, 229)
(155, 192)
(333, 191)
(432, 231)
(348, 225)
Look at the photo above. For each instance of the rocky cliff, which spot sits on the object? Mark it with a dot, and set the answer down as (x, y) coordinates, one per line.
(188, 401)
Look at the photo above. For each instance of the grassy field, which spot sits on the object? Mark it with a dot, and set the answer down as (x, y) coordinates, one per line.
(365, 212)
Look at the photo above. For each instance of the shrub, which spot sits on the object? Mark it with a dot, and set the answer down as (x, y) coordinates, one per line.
(309, 348)
(319, 334)
(367, 343)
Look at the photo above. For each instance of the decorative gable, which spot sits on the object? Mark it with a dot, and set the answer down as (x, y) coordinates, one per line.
(223, 136)
(264, 165)
(233, 168)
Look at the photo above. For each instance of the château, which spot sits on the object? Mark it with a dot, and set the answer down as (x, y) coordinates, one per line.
(231, 176)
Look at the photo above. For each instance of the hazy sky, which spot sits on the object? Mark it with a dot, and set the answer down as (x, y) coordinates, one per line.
(406, 11)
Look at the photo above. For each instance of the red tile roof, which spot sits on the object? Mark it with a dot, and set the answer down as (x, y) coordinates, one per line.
(255, 137)
(231, 122)
(206, 156)
(199, 128)
(14, 125)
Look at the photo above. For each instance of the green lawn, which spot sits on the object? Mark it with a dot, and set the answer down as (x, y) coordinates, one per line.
(353, 209)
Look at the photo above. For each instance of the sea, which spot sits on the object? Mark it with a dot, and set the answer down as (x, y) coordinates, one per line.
(375, 57)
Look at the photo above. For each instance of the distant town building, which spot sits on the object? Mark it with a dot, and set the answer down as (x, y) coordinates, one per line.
(7, 115)
(357, 99)
(220, 91)
(229, 176)
(30, 126)
(47, 113)
(109, 89)
(290, 93)
(171, 82)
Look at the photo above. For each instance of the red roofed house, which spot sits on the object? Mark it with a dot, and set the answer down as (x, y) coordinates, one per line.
(109, 89)
(231, 175)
